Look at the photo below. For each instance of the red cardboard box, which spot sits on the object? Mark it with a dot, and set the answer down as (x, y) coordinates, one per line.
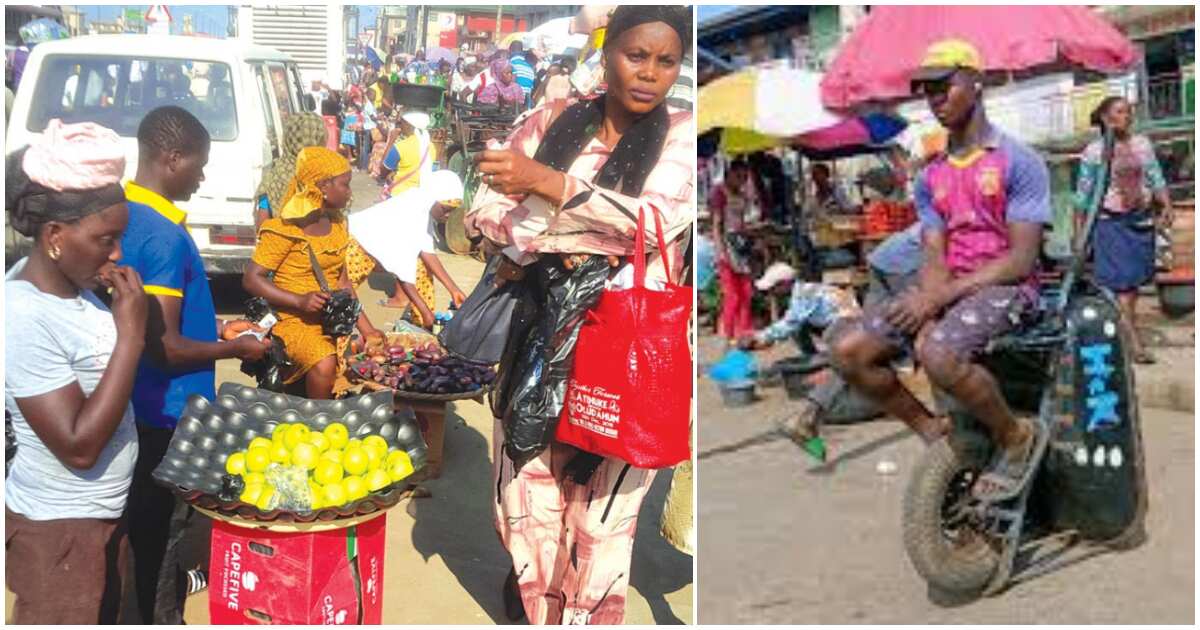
(323, 578)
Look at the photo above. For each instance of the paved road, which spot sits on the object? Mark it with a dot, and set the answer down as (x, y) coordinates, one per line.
(781, 543)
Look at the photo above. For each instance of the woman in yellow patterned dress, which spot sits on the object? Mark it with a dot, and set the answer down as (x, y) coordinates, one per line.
(311, 219)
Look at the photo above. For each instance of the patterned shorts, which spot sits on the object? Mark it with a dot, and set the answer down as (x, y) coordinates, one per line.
(965, 327)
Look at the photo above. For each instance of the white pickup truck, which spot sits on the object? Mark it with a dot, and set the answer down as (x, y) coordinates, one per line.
(241, 92)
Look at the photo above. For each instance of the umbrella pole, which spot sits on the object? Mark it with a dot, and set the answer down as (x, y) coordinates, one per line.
(1083, 240)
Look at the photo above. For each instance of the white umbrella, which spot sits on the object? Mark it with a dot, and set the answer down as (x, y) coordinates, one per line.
(555, 36)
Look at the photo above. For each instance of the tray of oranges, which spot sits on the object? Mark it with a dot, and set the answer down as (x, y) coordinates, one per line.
(267, 457)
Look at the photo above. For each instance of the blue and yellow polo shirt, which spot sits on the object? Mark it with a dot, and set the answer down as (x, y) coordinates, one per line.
(158, 246)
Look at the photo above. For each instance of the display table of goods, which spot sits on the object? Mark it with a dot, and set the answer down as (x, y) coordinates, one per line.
(417, 368)
(265, 459)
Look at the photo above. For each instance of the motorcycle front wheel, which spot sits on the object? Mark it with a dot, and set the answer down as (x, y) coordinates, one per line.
(945, 547)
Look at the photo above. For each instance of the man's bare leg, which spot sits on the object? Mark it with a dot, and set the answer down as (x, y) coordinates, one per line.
(862, 358)
(976, 390)
(979, 393)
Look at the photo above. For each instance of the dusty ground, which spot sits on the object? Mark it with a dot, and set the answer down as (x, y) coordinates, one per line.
(786, 542)
(444, 563)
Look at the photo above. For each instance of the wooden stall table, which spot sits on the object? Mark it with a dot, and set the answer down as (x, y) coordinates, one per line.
(430, 411)
(431, 416)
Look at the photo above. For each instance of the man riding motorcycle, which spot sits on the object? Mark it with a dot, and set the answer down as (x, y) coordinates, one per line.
(982, 206)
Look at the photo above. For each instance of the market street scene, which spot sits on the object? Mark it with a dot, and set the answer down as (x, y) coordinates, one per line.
(311, 312)
(946, 321)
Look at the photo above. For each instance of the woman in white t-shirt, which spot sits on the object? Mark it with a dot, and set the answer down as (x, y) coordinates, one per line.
(70, 364)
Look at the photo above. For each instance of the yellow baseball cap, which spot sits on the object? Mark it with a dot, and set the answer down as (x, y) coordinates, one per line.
(944, 58)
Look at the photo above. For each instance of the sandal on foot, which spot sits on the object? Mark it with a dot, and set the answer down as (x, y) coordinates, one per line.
(1010, 471)
(803, 429)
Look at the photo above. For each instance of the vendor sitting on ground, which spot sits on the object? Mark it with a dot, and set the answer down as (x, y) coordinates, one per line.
(812, 306)
(982, 207)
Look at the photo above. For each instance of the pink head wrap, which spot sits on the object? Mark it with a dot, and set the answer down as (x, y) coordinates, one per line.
(83, 156)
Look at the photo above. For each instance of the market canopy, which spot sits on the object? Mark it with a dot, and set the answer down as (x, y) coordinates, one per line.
(876, 62)
(761, 108)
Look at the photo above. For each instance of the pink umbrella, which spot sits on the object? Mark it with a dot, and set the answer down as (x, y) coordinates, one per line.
(437, 54)
(878, 59)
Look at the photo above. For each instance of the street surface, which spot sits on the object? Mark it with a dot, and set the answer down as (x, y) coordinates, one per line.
(444, 563)
(786, 542)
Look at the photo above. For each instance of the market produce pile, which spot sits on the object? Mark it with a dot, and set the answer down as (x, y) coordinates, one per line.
(302, 470)
(420, 366)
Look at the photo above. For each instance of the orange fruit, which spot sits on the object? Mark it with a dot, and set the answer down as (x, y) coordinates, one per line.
(257, 459)
(355, 461)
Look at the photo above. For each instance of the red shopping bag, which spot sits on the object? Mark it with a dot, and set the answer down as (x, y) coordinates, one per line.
(629, 395)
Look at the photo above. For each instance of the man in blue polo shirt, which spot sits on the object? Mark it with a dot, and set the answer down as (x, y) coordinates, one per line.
(182, 345)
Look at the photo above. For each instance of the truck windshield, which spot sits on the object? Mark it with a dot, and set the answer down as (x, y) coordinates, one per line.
(117, 92)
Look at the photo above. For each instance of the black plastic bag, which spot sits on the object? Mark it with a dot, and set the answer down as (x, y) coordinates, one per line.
(540, 351)
(340, 314)
(481, 326)
(268, 371)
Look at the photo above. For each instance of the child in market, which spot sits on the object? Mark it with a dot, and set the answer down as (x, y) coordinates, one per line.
(351, 125)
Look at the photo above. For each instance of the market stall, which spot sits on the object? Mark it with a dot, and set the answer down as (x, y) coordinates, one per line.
(777, 112)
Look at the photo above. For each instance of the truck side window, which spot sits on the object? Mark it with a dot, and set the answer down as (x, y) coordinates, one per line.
(264, 91)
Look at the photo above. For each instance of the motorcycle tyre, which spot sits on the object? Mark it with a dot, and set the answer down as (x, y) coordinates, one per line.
(962, 571)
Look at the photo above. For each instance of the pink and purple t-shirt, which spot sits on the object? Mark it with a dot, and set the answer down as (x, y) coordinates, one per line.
(973, 199)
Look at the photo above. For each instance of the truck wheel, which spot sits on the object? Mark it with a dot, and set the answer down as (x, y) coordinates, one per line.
(949, 553)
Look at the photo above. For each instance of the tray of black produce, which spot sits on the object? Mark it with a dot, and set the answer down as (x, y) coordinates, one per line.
(269, 457)
(420, 370)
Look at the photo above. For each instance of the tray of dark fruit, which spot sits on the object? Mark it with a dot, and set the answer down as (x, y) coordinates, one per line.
(419, 369)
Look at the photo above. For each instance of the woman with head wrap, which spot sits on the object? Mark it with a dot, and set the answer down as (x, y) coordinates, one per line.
(504, 91)
(567, 184)
(300, 130)
(311, 221)
(70, 366)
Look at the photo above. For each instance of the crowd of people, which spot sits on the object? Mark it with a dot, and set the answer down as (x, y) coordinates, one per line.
(111, 324)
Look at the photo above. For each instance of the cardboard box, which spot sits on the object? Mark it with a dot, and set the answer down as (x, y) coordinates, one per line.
(322, 578)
